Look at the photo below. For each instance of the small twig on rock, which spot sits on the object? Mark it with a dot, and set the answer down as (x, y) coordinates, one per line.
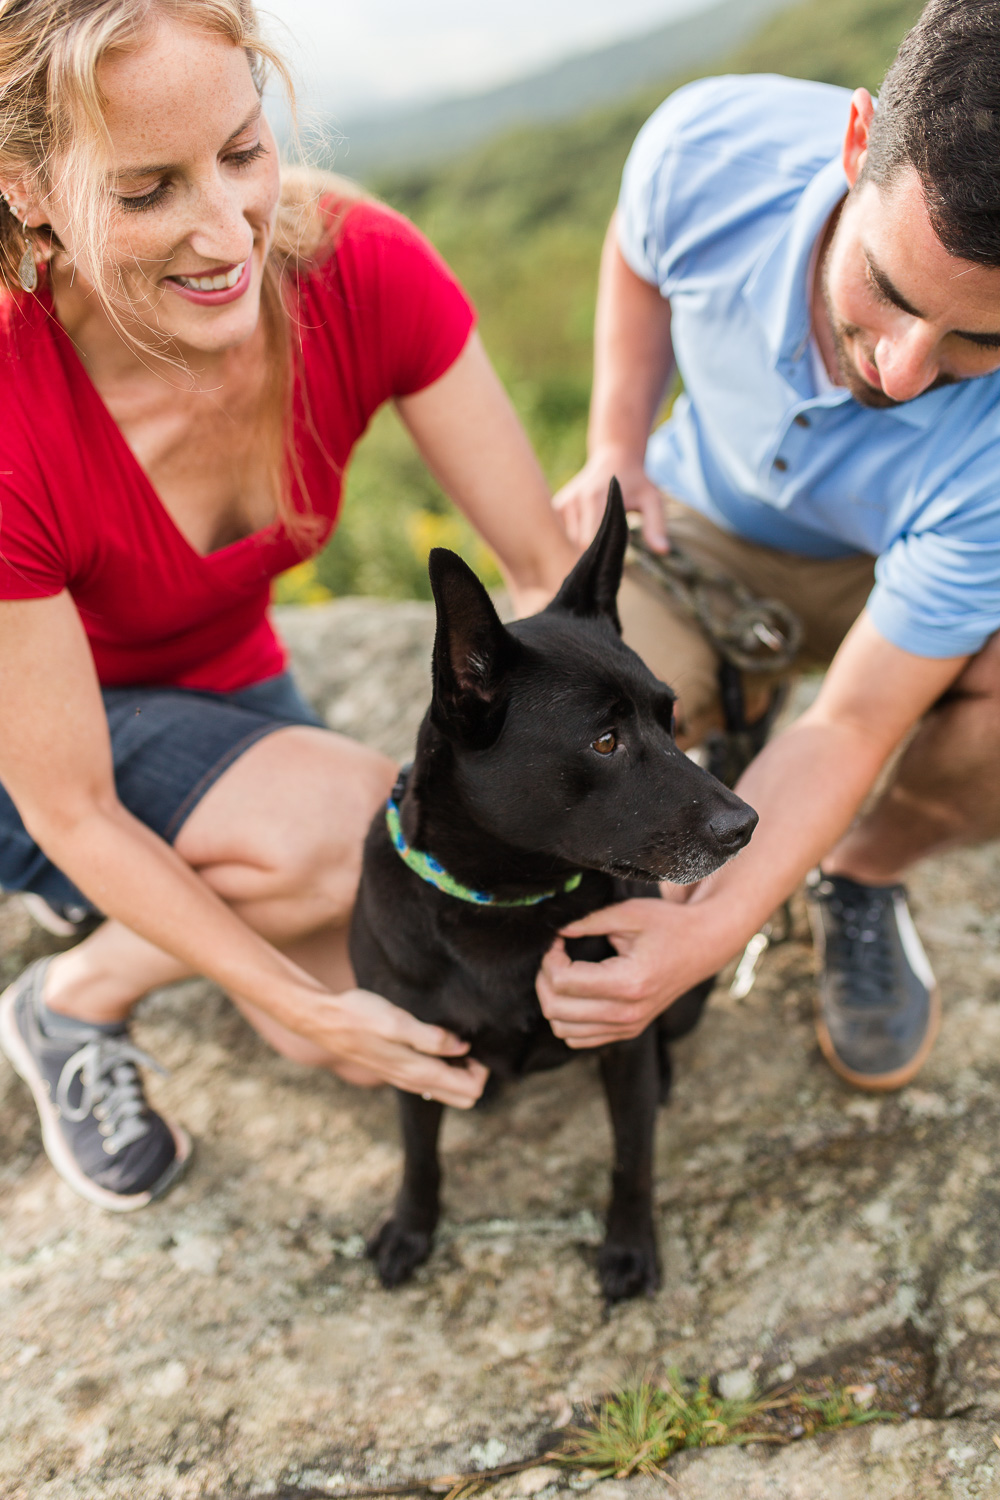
(452, 1486)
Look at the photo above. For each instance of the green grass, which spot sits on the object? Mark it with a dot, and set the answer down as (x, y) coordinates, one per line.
(521, 220)
(635, 1430)
(641, 1426)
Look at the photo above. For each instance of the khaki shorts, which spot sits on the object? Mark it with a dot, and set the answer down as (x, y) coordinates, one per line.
(826, 595)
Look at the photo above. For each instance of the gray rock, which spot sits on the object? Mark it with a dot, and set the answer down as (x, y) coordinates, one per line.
(869, 1463)
(737, 1385)
(365, 665)
(230, 1341)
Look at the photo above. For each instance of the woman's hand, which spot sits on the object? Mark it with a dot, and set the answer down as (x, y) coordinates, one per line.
(581, 503)
(372, 1042)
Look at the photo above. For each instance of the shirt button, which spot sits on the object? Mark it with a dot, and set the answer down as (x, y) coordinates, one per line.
(802, 420)
(781, 465)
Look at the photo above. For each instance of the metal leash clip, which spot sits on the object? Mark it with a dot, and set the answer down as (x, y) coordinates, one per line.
(746, 969)
(769, 936)
(753, 634)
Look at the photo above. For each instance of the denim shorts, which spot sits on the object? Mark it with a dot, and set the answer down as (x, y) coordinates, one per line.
(169, 746)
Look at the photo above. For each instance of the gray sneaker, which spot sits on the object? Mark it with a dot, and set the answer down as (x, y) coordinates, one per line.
(878, 1008)
(69, 921)
(98, 1131)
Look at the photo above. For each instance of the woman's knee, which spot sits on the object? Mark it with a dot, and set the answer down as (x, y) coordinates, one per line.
(289, 820)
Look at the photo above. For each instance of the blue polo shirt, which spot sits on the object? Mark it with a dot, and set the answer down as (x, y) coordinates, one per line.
(724, 196)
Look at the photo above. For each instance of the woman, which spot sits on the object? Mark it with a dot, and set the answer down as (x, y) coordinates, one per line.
(190, 349)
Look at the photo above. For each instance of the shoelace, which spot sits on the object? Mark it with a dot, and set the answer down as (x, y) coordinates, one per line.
(110, 1087)
(860, 945)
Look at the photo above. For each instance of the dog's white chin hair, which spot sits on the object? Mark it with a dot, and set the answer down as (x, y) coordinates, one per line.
(689, 870)
(686, 869)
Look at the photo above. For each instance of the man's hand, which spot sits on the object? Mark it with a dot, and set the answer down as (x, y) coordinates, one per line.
(807, 786)
(581, 502)
(661, 951)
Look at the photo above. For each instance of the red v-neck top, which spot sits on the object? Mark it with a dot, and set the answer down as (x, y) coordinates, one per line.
(382, 316)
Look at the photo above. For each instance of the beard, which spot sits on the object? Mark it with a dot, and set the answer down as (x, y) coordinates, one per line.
(861, 389)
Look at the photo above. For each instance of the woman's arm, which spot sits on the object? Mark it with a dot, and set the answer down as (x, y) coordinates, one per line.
(471, 440)
(55, 762)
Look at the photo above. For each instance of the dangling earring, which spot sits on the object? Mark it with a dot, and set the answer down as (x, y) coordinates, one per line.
(27, 271)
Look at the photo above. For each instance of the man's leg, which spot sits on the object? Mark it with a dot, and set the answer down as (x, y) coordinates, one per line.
(878, 1005)
(826, 594)
(877, 1001)
(946, 788)
(676, 651)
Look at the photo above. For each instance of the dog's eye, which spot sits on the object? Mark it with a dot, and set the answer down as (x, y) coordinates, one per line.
(605, 743)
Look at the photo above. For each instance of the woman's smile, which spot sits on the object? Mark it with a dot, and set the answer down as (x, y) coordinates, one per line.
(213, 288)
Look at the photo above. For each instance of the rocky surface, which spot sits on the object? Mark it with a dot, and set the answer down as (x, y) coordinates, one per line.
(232, 1341)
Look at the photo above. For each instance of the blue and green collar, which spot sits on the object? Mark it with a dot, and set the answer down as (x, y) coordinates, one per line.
(431, 870)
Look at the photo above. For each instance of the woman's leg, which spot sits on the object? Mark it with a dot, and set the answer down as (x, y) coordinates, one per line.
(279, 837)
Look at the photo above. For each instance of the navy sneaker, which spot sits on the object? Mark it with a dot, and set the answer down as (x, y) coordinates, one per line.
(98, 1131)
(878, 1007)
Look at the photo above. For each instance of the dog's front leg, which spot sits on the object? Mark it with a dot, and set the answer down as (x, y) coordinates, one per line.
(627, 1262)
(404, 1241)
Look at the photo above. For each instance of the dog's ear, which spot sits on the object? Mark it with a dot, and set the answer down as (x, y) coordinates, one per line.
(473, 653)
(592, 587)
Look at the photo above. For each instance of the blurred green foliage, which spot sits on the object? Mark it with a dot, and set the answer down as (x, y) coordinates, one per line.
(522, 220)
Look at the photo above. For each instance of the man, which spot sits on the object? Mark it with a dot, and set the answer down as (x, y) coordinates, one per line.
(833, 305)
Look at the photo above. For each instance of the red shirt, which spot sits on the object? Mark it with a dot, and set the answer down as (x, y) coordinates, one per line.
(382, 316)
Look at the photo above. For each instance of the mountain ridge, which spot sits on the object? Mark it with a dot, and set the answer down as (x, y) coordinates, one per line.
(414, 136)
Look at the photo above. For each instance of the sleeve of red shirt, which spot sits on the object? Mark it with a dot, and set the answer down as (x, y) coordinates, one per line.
(31, 562)
(34, 555)
(418, 316)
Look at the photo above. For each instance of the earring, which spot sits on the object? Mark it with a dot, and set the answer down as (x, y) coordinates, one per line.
(27, 271)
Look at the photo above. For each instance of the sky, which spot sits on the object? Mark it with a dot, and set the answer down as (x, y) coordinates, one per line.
(363, 57)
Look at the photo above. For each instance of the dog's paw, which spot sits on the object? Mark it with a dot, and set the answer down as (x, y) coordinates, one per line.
(397, 1252)
(627, 1271)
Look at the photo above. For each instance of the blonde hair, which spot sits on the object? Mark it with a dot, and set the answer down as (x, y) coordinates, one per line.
(52, 113)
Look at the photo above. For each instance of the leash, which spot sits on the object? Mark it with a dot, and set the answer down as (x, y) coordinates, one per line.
(749, 633)
(431, 869)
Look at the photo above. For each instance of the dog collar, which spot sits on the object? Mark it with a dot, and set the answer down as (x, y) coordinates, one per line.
(431, 870)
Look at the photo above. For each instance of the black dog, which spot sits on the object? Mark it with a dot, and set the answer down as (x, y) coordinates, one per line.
(547, 776)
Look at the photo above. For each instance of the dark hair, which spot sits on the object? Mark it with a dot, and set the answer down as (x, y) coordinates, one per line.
(939, 111)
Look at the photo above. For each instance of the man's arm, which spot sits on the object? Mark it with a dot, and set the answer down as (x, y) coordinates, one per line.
(633, 363)
(807, 786)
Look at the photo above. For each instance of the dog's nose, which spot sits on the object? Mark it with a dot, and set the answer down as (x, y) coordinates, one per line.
(732, 828)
